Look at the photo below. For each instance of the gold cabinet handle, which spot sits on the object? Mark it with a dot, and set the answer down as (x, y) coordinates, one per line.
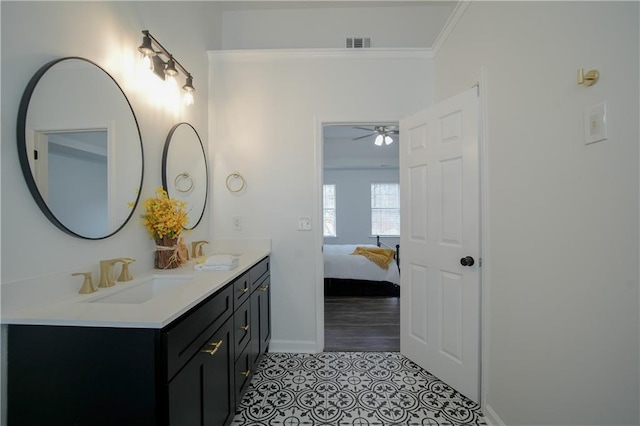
(245, 373)
(264, 288)
(244, 327)
(215, 348)
(243, 290)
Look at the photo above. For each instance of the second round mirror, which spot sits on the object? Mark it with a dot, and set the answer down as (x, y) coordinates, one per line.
(184, 170)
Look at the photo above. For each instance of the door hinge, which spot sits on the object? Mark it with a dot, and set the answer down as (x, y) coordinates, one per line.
(480, 263)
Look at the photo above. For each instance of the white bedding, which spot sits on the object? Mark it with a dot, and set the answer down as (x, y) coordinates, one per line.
(340, 263)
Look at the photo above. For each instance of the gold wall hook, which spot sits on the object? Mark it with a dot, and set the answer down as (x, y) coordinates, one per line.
(588, 79)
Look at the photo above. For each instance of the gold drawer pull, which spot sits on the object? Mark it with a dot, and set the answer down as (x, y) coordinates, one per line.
(244, 327)
(264, 288)
(243, 290)
(215, 348)
(245, 373)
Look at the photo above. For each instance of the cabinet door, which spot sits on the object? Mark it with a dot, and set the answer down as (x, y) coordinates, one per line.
(254, 345)
(242, 330)
(243, 374)
(203, 392)
(264, 291)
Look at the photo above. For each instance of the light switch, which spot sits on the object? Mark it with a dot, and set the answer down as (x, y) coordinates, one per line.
(595, 124)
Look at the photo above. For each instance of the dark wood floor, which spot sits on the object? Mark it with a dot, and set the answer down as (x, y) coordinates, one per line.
(361, 324)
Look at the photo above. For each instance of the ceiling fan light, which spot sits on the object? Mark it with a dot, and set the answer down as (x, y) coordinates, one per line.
(388, 140)
(379, 140)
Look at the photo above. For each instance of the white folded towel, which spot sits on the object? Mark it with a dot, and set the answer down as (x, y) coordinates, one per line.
(204, 267)
(217, 262)
(221, 260)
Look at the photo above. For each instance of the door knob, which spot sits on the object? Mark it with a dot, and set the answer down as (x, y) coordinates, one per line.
(467, 261)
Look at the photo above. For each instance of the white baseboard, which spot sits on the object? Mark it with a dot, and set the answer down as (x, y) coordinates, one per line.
(491, 417)
(293, 346)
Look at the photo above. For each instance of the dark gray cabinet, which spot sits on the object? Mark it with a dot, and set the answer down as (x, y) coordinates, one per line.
(261, 319)
(203, 392)
(192, 372)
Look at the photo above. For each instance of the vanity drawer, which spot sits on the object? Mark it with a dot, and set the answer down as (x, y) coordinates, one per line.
(257, 272)
(183, 340)
(241, 290)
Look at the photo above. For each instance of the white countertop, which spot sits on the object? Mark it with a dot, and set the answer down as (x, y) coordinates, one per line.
(157, 312)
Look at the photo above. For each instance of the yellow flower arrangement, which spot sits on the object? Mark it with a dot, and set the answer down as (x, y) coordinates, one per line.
(164, 217)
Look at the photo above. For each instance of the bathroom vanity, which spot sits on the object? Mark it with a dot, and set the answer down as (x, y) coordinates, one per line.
(184, 357)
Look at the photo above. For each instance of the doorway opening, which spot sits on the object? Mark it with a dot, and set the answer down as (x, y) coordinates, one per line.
(361, 212)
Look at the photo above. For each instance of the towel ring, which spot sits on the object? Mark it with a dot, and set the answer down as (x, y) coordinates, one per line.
(183, 182)
(236, 176)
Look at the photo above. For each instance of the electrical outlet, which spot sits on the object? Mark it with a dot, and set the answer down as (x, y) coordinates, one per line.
(237, 223)
(304, 223)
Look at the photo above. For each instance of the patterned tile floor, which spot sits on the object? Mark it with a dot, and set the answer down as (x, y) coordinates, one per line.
(350, 388)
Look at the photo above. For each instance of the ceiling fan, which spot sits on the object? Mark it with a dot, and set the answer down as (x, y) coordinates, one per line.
(383, 134)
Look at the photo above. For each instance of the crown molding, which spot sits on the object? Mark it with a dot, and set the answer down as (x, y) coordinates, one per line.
(284, 54)
(451, 23)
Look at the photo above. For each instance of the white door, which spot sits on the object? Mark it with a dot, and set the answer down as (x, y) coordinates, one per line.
(440, 215)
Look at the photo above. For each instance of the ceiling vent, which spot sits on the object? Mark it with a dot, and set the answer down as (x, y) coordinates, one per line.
(358, 42)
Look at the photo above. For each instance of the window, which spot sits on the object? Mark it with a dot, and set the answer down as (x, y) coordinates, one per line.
(385, 209)
(329, 210)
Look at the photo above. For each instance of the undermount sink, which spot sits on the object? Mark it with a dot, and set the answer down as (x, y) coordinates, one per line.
(136, 293)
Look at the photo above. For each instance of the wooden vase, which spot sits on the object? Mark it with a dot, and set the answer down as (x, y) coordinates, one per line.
(167, 256)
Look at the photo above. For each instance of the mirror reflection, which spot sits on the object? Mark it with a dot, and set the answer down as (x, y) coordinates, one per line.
(184, 170)
(80, 148)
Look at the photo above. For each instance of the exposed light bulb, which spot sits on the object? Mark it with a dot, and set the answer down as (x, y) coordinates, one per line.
(170, 68)
(147, 62)
(188, 97)
(388, 140)
(379, 140)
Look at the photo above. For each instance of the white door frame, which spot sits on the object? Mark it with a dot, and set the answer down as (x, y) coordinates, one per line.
(319, 180)
(483, 159)
(484, 226)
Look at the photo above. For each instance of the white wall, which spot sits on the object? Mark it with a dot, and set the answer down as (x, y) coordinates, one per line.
(353, 204)
(107, 33)
(563, 216)
(266, 113)
(316, 25)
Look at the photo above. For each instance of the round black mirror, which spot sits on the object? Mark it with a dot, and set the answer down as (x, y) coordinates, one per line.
(80, 148)
(184, 170)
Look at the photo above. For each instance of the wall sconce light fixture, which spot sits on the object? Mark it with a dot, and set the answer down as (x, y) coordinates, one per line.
(153, 53)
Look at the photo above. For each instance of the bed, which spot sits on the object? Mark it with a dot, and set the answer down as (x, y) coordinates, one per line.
(347, 274)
